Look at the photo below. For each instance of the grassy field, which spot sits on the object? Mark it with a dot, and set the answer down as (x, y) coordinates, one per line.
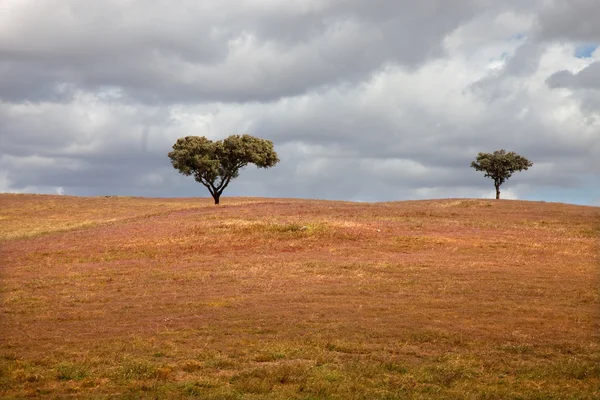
(293, 299)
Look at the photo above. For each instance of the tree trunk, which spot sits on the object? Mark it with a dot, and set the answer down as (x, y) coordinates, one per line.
(497, 192)
(216, 196)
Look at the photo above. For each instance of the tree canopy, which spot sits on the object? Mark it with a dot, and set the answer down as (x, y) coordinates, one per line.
(215, 163)
(500, 165)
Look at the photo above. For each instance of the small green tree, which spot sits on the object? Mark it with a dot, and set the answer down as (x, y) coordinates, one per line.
(215, 163)
(500, 166)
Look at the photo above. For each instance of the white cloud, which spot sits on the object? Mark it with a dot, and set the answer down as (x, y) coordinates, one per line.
(380, 102)
(506, 194)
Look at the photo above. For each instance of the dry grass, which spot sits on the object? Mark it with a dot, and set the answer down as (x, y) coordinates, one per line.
(260, 298)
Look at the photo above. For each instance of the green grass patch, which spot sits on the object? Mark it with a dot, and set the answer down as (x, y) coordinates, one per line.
(136, 370)
(71, 372)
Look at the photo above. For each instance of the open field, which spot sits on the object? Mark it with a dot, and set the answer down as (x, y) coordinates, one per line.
(276, 299)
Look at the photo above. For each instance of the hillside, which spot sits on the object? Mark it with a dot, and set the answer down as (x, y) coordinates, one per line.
(277, 298)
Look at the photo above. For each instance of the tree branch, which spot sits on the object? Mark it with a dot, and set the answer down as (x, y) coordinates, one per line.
(224, 184)
(206, 183)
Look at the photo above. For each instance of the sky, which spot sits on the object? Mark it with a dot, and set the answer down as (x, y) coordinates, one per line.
(373, 100)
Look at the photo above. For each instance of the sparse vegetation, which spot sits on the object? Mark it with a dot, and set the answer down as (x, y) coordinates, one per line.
(500, 165)
(293, 299)
(215, 163)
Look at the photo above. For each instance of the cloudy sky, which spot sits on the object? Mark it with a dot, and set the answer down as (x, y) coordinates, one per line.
(364, 100)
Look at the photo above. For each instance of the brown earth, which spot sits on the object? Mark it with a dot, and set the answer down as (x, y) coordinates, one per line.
(275, 298)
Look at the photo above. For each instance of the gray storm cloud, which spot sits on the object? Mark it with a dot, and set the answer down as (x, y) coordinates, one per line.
(373, 101)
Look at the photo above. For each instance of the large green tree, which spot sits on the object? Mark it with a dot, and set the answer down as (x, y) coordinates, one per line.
(500, 165)
(215, 163)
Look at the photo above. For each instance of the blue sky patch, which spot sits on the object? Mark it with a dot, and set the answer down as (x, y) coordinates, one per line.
(580, 194)
(586, 50)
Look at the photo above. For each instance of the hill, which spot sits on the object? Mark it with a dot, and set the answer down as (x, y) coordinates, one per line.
(276, 298)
